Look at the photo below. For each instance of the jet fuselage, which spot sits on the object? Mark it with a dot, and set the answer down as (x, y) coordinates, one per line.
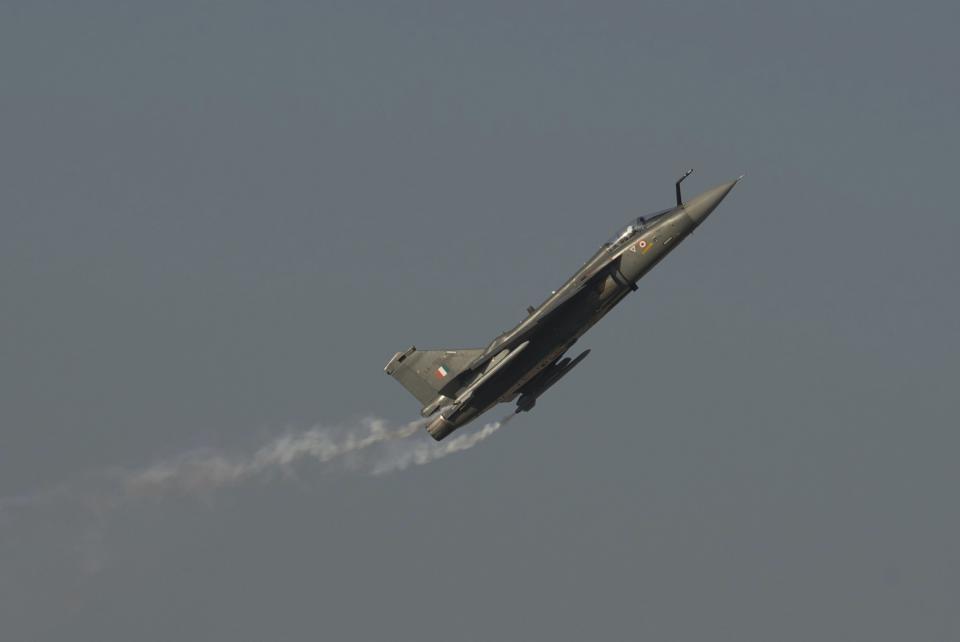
(526, 360)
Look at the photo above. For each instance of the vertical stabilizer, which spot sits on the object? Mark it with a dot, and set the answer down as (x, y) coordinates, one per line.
(424, 373)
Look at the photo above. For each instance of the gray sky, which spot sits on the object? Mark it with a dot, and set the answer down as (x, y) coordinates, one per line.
(220, 219)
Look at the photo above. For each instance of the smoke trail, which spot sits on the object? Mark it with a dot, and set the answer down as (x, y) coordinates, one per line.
(78, 518)
(424, 453)
(201, 472)
(374, 448)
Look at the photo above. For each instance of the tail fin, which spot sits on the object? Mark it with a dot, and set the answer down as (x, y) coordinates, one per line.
(424, 373)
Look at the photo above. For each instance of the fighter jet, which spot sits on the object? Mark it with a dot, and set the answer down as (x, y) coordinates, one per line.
(524, 362)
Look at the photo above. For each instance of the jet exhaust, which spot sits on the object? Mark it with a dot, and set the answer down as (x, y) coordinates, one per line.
(82, 510)
(374, 447)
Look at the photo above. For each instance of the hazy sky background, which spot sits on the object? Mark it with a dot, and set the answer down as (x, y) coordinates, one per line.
(220, 219)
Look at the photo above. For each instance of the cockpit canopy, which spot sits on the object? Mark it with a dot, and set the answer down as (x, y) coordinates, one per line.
(626, 233)
(636, 226)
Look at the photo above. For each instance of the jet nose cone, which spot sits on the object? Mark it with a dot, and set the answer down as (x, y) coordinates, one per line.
(699, 207)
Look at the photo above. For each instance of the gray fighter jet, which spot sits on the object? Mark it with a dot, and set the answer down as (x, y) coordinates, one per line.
(522, 363)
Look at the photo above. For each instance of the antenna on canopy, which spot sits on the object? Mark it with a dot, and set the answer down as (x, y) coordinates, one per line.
(680, 180)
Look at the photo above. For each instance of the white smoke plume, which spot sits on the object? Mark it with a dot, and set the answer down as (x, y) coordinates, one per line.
(78, 516)
(374, 447)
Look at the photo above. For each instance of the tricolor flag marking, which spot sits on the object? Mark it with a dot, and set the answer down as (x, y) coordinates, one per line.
(441, 372)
